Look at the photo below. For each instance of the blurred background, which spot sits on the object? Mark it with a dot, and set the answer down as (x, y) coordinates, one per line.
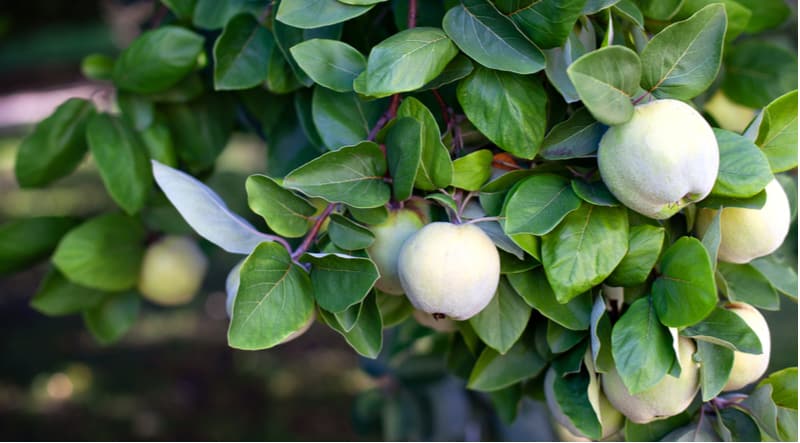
(173, 377)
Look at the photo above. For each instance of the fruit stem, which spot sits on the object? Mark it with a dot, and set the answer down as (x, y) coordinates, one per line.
(312, 234)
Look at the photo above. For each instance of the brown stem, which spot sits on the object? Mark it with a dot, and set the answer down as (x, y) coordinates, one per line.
(313, 233)
(412, 14)
(388, 115)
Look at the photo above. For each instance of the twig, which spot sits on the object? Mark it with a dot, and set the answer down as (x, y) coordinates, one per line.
(412, 14)
(313, 233)
(388, 115)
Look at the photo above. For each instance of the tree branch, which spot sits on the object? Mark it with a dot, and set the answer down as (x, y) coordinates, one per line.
(313, 233)
(412, 14)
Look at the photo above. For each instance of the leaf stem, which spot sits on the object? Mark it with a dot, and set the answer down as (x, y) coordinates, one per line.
(484, 219)
(412, 14)
(390, 113)
(312, 234)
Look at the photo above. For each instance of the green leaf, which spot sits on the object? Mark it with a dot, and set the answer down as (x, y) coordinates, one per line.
(571, 393)
(641, 346)
(242, 53)
(595, 193)
(286, 213)
(493, 194)
(506, 402)
(746, 284)
(56, 146)
(113, 317)
(766, 14)
(606, 80)
(213, 14)
(275, 299)
(777, 133)
(685, 292)
(629, 10)
(781, 275)
(343, 119)
(394, 309)
(102, 253)
(654, 430)
(340, 281)
(737, 425)
(288, 36)
(660, 9)
(724, 328)
(435, 168)
(755, 202)
(157, 141)
(201, 129)
(595, 6)
(577, 137)
(716, 363)
(407, 61)
(370, 216)
(683, 60)
(58, 296)
(584, 249)
(352, 175)
(764, 410)
(459, 67)
(538, 204)
(533, 287)
(366, 336)
(712, 238)
(491, 39)
(317, 13)
(471, 171)
(738, 15)
(24, 242)
(579, 42)
(644, 247)
(348, 234)
(784, 387)
(509, 109)
(157, 60)
(136, 110)
(548, 22)
(121, 160)
(494, 371)
(600, 336)
(331, 63)
(501, 323)
(561, 339)
(758, 72)
(744, 170)
(404, 154)
(182, 9)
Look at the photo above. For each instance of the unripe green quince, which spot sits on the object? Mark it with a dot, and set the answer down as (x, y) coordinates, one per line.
(670, 396)
(385, 250)
(729, 114)
(172, 271)
(449, 269)
(661, 160)
(750, 233)
(748, 368)
(611, 420)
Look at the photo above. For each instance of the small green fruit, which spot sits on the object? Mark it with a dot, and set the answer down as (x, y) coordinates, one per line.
(449, 269)
(747, 368)
(172, 271)
(750, 233)
(668, 397)
(384, 251)
(661, 160)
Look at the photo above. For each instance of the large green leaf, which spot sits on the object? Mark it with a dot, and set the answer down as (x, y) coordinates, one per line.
(58, 296)
(683, 60)
(780, 273)
(113, 317)
(286, 37)
(777, 133)
(285, 212)
(435, 168)
(685, 292)
(758, 72)
(471, 171)
(744, 170)
(102, 253)
(403, 155)
(579, 42)
(275, 299)
(548, 22)
(242, 53)
(716, 363)
(317, 13)
(340, 281)
(600, 336)
(746, 284)
(56, 145)
(644, 247)
(766, 14)
(343, 119)
(501, 323)
(560, 339)
(509, 109)
(571, 393)
(577, 137)
(584, 249)
(538, 204)
(725, 328)
(366, 335)
(536, 291)
(214, 14)
(352, 175)
(660, 9)
(605, 80)
(201, 129)
(494, 371)
(491, 39)
(136, 109)
(407, 61)
(349, 235)
(157, 60)
(330, 63)
(122, 161)
(25, 241)
(641, 346)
